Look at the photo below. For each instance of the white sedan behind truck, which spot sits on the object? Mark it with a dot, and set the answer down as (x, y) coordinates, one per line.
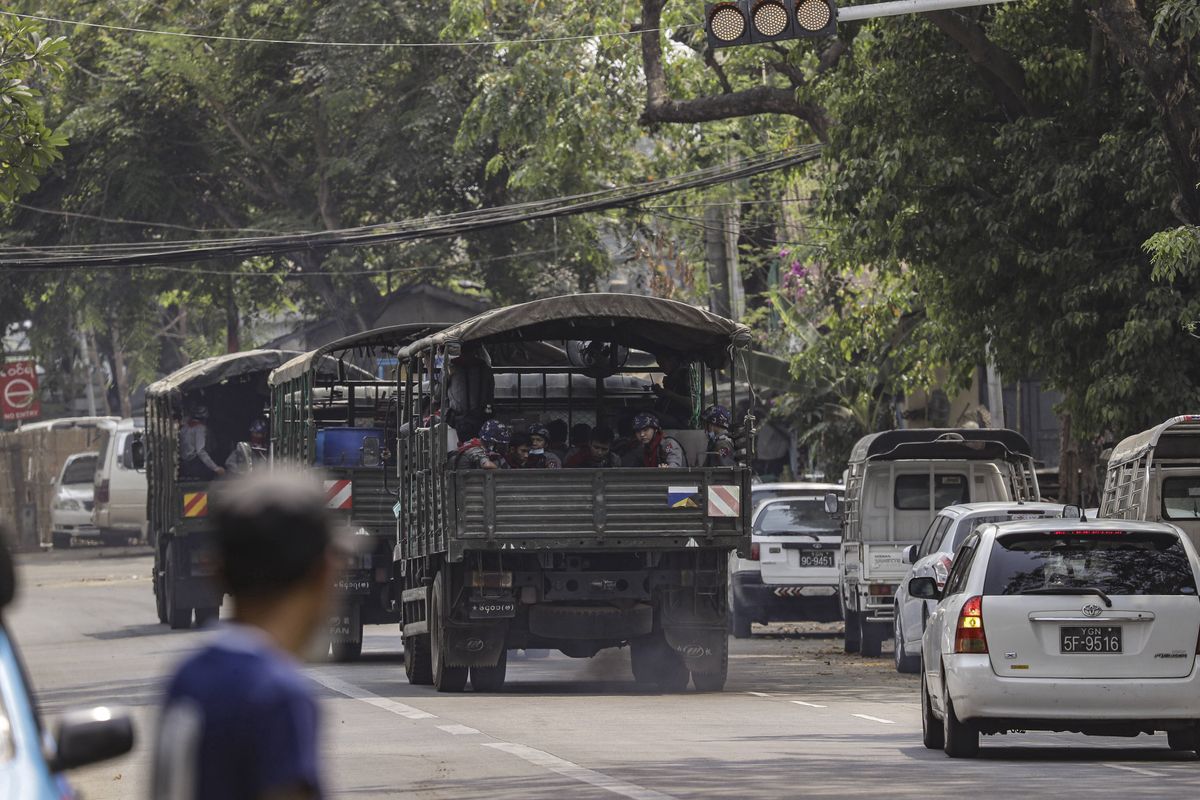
(1062, 625)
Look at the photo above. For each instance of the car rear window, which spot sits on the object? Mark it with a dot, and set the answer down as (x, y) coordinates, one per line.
(1115, 562)
(81, 470)
(969, 524)
(795, 516)
(912, 491)
(1181, 497)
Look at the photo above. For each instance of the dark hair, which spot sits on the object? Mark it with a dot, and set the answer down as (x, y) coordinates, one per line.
(519, 440)
(558, 430)
(581, 433)
(602, 433)
(272, 529)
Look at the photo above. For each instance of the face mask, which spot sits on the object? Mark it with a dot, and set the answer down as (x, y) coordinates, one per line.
(537, 452)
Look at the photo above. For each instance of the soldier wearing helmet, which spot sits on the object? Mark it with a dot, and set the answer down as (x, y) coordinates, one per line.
(194, 461)
(719, 452)
(657, 449)
(483, 452)
(539, 456)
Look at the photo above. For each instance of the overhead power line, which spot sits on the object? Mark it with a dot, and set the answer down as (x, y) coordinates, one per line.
(140, 254)
(211, 37)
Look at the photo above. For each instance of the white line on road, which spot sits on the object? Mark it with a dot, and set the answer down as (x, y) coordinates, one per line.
(350, 690)
(875, 719)
(1138, 770)
(810, 705)
(575, 772)
(759, 694)
(457, 730)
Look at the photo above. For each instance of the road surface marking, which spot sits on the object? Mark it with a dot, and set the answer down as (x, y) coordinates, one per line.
(759, 694)
(1138, 770)
(875, 719)
(350, 690)
(575, 772)
(457, 730)
(810, 705)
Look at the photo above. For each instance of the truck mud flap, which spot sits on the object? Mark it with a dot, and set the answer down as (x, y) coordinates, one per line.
(702, 647)
(590, 622)
(475, 645)
(344, 625)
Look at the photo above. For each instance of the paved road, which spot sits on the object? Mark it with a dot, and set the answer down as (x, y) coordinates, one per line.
(798, 716)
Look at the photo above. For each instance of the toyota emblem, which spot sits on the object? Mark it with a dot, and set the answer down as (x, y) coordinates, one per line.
(1092, 610)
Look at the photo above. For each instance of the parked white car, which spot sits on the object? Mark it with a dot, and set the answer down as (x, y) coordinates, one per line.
(933, 558)
(1062, 625)
(71, 511)
(120, 510)
(794, 565)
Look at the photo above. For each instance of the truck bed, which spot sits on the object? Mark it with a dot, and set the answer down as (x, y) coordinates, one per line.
(594, 509)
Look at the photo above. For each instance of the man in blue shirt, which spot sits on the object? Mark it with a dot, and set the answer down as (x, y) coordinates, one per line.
(240, 722)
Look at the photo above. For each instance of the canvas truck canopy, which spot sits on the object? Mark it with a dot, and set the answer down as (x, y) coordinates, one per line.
(216, 370)
(391, 338)
(650, 324)
(976, 444)
(1176, 438)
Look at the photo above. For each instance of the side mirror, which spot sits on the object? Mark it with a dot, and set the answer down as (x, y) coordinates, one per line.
(134, 455)
(833, 503)
(89, 736)
(910, 554)
(924, 589)
(1072, 512)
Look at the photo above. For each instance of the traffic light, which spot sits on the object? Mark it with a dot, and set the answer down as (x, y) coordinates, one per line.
(736, 22)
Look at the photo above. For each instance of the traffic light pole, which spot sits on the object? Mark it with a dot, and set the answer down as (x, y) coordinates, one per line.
(897, 7)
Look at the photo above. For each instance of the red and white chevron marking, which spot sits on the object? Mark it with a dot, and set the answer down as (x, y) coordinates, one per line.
(338, 494)
(724, 501)
(789, 591)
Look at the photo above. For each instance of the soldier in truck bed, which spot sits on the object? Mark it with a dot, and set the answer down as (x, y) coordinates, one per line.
(656, 448)
(484, 451)
(719, 452)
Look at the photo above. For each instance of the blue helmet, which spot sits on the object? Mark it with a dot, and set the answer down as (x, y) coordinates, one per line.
(645, 420)
(717, 415)
(494, 432)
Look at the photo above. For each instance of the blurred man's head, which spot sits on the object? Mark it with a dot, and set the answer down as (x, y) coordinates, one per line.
(276, 550)
(601, 442)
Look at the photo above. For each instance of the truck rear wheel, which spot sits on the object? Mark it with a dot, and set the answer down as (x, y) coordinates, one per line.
(445, 677)
(490, 679)
(417, 665)
(178, 617)
(345, 652)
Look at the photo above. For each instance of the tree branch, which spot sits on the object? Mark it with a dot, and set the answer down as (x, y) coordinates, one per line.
(1165, 75)
(1001, 72)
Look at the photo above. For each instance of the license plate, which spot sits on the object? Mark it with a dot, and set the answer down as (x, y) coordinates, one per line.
(817, 559)
(1086, 640)
(493, 609)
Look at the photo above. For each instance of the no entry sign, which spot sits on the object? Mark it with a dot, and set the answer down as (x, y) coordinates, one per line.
(19, 391)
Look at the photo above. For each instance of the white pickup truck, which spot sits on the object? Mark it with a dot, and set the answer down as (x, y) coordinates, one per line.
(1155, 476)
(895, 483)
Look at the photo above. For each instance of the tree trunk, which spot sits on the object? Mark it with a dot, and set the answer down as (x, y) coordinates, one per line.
(93, 355)
(1078, 475)
(120, 374)
(233, 343)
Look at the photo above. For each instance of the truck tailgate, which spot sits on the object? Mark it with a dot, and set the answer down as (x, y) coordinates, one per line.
(884, 561)
(604, 508)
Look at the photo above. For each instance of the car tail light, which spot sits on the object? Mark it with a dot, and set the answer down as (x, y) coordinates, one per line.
(941, 570)
(101, 492)
(969, 637)
(754, 553)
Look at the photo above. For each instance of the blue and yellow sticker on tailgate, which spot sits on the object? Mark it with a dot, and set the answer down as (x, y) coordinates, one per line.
(683, 496)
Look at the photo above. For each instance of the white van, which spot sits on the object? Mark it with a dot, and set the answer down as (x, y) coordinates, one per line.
(120, 496)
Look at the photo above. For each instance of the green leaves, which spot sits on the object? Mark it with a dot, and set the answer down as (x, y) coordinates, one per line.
(29, 63)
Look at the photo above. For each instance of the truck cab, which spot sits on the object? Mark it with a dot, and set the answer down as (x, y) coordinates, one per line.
(895, 483)
(1154, 476)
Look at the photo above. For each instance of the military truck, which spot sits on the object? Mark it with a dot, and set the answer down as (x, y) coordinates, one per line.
(234, 389)
(334, 409)
(579, 559)
(1155, 476)
(896, 483)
